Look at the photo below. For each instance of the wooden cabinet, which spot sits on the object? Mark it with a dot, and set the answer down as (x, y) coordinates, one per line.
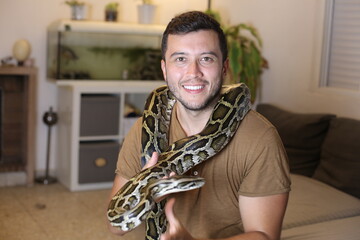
(18, 120)
(92, 125)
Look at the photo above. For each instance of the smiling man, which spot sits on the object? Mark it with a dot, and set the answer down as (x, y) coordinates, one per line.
(193, 70)
(247, 183)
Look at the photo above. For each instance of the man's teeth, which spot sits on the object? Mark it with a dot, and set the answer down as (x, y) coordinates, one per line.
(193, 87)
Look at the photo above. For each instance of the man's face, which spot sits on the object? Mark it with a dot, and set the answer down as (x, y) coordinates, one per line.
(193, 68)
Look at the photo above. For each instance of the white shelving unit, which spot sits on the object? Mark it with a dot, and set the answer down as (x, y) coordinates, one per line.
(70, 94)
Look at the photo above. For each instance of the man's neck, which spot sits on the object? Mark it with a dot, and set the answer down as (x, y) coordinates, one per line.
(191, 121)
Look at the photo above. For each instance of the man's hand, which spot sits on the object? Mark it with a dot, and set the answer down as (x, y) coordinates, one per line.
(152, 161)
(176, 230)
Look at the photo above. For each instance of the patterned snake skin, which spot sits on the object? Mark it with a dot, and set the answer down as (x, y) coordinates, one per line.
(136, 202)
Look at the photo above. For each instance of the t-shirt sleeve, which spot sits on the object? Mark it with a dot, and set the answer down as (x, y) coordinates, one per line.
(266, 171)
(129, 163)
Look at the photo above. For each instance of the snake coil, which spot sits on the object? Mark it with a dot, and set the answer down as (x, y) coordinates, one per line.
(136, 202)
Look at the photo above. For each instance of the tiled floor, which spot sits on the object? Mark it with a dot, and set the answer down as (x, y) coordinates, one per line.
(52, 212)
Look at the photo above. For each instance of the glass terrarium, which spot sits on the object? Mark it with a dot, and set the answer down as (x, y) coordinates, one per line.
(91, 50)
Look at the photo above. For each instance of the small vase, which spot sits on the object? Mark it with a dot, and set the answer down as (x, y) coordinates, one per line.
(146, 13)
(78, 12)
(111, 16)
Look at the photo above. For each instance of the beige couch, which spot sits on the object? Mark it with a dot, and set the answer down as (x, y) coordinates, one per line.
(324, 158)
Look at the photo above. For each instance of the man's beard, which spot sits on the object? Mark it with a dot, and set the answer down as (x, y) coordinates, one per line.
(209, 101)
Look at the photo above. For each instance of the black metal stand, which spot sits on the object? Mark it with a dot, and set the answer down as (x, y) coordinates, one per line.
(49, 118)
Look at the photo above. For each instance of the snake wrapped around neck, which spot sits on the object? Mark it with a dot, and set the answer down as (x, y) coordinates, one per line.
(136, 201)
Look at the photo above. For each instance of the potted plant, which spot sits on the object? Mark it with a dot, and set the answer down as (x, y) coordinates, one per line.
(245, 58)
(146, 12)
(74, 3)
(111, 10)
(77, 9)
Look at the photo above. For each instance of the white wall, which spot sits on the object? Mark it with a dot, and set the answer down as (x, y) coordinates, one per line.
(291, 32)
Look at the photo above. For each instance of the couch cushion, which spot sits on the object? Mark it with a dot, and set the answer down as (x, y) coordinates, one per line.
(340, 156)
(312, 201)
(344, 228)
(302, 135)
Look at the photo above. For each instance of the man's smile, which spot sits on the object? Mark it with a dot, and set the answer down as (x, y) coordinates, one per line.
(193, 87)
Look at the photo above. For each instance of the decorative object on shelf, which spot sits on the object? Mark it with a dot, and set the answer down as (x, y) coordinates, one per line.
(77, 9)
(111, 12)
(50, 118)
(146, 12)
(30, 62)
(245, 58)
(21, 51)
(8, 61)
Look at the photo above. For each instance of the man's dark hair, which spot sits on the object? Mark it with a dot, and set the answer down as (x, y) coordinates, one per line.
(190, 22)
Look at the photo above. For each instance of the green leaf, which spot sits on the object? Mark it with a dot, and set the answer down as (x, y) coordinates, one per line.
(234, 56)
(253, 32)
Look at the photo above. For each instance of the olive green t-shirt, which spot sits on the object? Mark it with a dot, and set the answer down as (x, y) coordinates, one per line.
(253, 164)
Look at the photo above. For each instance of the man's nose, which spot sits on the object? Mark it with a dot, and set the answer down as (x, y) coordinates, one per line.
(194, 69)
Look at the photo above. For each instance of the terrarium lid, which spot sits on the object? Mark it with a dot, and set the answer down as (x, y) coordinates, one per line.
(107, 27)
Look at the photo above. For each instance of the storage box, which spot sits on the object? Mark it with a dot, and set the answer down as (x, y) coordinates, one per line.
(99, 115)
(97, 161)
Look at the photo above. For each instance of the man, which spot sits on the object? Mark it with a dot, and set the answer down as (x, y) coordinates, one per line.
(247, 183)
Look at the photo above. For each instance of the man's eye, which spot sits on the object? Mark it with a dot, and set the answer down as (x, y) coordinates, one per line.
(180, 59)
(207, 60)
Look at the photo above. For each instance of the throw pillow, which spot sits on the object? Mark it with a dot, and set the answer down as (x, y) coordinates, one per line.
(340, 156)
(302, 135)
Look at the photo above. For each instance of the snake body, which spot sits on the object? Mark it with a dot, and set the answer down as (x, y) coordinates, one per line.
(136, 200)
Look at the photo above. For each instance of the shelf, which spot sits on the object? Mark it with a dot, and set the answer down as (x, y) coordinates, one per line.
(100, 138)
(96, 86)
(107, 27)
(28, 76)
(70, 99)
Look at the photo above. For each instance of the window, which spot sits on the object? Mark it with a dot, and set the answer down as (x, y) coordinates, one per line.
(341, 53)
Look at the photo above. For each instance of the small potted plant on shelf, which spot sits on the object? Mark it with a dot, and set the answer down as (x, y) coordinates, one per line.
(111, 11)
(77, 9)
(146, 12)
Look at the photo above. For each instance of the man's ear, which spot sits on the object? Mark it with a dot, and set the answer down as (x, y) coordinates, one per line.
(163, 68)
